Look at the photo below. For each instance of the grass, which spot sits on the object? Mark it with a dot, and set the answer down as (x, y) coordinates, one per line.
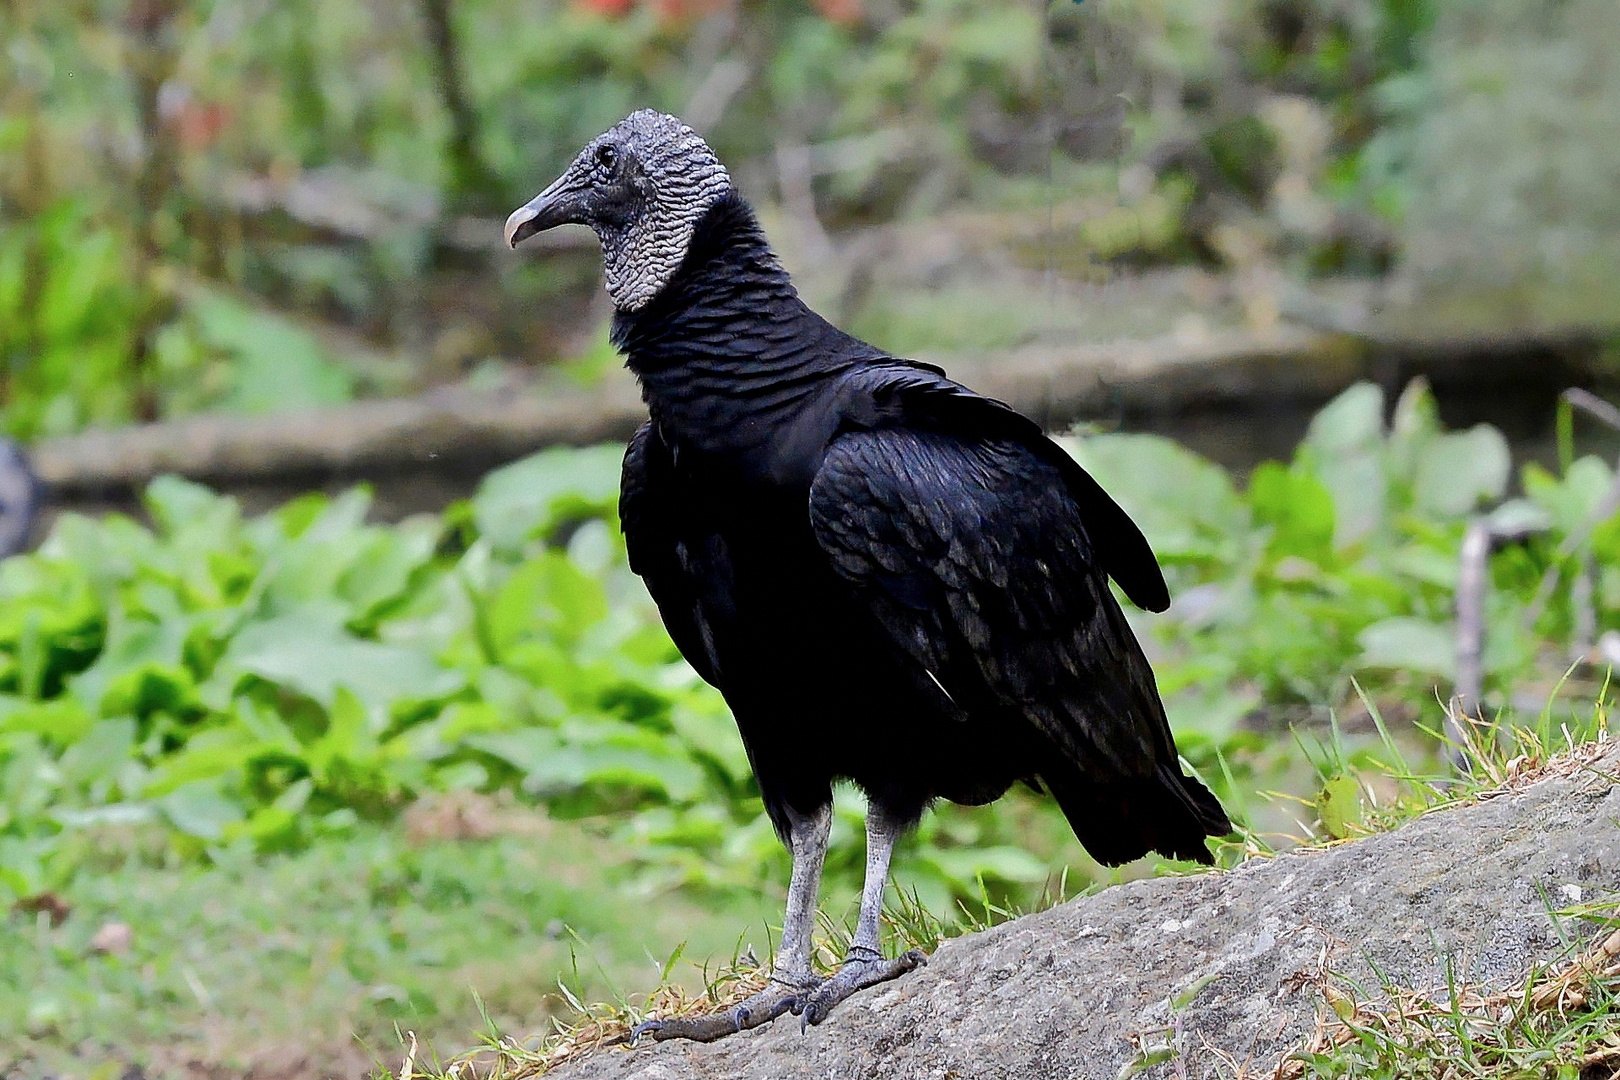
(1561, 1023)
(1568, 1015)
(598, 1025)
(1373, 789)
(469, 920)
(308, 962)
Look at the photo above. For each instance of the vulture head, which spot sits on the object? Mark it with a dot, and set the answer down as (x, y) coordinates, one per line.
(643, 185)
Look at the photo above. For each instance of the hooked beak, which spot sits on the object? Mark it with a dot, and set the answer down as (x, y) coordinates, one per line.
(559, 204)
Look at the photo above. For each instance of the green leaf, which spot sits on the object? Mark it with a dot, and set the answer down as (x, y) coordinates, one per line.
(208, 755)
(348, 737)
(1344, 450)
(1297, 507)
(965, 866)
(1339, 805)
(1184, 504)
(199, 809)
(1573, 500)
(548, 594)
(527, 750)
(1352, 423)
(63, 721)
(1410, 644)
(308, 651)
(279, 366)
(529, 497)
(1457, 472)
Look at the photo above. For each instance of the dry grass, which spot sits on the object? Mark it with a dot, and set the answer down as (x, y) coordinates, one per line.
(1562, 1022)
(1502, 761)
(597, 1027)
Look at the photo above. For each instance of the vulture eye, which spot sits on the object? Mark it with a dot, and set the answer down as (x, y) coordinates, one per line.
(607, 157)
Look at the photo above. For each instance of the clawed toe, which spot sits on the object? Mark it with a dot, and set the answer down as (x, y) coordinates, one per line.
(857, 973)
(760, 1008)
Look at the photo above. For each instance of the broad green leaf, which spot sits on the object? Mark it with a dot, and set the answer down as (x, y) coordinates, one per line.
(1573, 500)
(348, 738)
(548, 594)
(1184, 504)
(1457, 472)
(1297, 507)
(98, 758)
(627, 766)
(1339, 805)
(528, 750)
(278, 366)
(1353, 422)
(62, 721)
(528, 497)
(1414, 426)
(140, 668)
(1520, 515)
(707, 728)
(200, 809)
(1344, 449)
(966, 865)
(1409, 644)
(207, 756)
(308, 651)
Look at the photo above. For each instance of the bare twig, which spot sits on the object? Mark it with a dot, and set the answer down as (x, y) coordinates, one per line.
(1581, 599)
(1470, 636)
(1464, 713)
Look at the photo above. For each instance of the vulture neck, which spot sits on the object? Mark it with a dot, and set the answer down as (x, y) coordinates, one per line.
(727, 348)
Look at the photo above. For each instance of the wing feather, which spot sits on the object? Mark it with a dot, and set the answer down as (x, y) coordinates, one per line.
(974, 558)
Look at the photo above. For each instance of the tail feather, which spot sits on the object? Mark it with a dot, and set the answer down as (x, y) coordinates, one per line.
(1168, 812)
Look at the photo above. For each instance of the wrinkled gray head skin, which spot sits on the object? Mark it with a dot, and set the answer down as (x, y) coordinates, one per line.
(642, 185)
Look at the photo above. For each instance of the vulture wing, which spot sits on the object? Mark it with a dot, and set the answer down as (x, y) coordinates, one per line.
(985, 559)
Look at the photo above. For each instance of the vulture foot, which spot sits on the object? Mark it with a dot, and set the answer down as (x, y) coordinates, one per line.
(861, 969)
(779, 997)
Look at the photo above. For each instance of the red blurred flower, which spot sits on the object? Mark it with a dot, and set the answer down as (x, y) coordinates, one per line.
(842, 12)
(612, 9)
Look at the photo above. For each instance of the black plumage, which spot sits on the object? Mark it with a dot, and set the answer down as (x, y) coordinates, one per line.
(853, 548)
(891, 579)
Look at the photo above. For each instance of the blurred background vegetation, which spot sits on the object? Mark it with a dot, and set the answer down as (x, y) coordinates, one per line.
(272, 779)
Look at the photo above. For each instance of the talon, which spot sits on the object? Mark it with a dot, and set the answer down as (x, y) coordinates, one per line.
(646, 1027)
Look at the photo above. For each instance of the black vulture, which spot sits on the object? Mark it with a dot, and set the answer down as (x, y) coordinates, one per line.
(892, 580)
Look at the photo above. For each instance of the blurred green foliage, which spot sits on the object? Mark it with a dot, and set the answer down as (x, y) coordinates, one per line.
(262, 683)
(304, 164)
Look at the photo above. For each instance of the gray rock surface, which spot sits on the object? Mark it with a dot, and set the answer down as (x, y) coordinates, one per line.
(1061, 994)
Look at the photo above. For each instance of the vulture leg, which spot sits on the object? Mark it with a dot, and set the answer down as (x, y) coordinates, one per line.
(791, 977)
(865, 965)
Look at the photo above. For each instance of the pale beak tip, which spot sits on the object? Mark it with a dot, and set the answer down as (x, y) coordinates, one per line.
(513, 233)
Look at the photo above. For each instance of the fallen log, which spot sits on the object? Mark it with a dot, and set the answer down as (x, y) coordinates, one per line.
(462, 431)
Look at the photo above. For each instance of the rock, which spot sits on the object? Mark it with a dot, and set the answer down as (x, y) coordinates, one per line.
(1074, 991)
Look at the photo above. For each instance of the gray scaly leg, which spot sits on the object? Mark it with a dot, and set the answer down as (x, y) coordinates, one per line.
(865, 965)
(791, 977)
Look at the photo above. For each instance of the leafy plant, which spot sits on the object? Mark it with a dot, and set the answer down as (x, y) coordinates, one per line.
(264, 682)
